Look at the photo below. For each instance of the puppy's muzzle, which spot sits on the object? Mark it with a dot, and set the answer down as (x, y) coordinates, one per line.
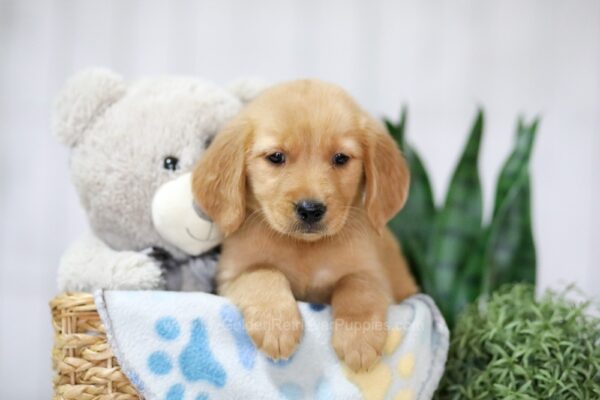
(310, 211)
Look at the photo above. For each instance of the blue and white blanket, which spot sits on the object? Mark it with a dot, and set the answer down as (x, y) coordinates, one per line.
(193, 346)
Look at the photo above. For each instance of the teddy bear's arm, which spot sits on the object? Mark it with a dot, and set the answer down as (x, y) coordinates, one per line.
(89, 264)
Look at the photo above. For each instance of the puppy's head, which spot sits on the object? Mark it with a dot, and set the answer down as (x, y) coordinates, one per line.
(304, 157)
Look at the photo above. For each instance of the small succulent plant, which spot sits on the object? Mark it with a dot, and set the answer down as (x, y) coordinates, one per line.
(453, 255)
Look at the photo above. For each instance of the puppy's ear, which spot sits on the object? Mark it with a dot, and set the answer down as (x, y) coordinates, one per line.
(386, 173)
(219, 178)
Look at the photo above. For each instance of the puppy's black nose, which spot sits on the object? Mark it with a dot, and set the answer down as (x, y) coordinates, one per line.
(310, 211)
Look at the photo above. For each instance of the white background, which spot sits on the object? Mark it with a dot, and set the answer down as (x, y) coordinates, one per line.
(440, 58)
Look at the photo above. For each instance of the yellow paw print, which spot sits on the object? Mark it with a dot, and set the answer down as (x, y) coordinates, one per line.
(406, 365)
(405, 394)
(375, 383)
(393, 340)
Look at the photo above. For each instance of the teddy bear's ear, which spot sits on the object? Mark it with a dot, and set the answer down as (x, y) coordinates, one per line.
(247, 89)
(85, 96)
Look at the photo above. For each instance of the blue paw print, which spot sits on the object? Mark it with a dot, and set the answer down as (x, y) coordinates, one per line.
(292, 391)
(247, 354)
(196, 362)
(234, 321)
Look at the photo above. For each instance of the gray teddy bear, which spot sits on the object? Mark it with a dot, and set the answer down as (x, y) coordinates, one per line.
(133, 146)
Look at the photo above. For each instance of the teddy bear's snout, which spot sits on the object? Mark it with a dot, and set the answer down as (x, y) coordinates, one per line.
(199, 212)
(180, 221)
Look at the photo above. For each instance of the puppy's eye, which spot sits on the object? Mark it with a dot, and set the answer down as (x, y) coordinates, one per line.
(170, 163)
(276, 158)
(340, 159)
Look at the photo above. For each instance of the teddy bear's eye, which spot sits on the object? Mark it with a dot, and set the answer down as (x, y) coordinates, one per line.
(170, 163)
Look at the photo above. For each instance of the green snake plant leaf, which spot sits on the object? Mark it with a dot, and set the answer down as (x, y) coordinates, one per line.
(453, 257)
(468, 286)
(510, 230)
(510, 254)
(517, 160)
(458, 225)
(414, 223)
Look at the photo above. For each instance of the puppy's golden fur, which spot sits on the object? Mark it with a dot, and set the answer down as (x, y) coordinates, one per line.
(270, 256)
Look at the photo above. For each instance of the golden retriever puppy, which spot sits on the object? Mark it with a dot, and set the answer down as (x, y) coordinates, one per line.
(302, 184)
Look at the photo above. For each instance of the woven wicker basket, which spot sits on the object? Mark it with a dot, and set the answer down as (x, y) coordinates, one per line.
(85, 366)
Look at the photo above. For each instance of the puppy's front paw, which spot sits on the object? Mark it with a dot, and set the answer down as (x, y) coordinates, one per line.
(359, 342)
(275, 329)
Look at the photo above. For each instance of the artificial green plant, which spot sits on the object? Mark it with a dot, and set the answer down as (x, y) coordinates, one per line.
(454, 256)
(514, 346)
